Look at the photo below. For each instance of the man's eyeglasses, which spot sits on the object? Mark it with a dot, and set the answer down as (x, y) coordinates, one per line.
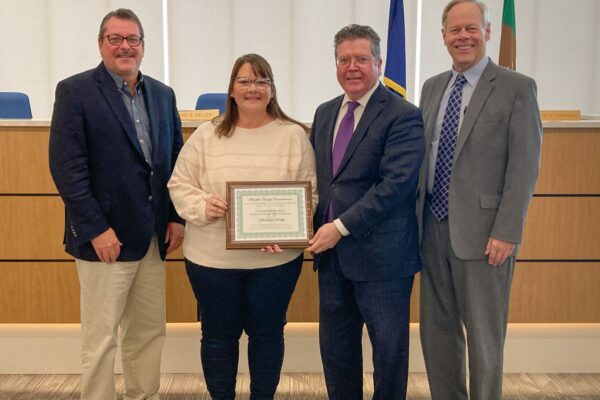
(132, 40)
(260, 83)
(346, 61)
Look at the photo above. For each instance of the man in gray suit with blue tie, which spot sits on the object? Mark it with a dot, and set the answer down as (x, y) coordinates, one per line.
(483, 136)
(369, 147)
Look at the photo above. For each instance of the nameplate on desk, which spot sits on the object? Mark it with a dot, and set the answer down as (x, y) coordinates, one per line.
(560, 115)
(198, 115)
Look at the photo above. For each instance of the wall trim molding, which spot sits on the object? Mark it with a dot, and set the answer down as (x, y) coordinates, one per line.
(530, 348)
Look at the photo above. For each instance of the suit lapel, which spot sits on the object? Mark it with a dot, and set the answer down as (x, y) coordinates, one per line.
(152, 109)
(113, 97)
(435, 99)
(430, 106)
(373, 108)
(329, 128)
(484, 88)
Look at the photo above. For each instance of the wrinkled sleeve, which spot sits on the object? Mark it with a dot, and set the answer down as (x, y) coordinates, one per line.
(187, 194)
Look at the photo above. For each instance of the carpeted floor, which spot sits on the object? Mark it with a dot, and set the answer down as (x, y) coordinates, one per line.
(304, 386)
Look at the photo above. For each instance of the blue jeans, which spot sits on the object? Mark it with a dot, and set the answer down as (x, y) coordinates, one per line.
(234, 300)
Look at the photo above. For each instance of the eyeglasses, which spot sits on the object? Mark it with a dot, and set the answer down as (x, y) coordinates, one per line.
(260, 83)
(346, 61)
(132, 40)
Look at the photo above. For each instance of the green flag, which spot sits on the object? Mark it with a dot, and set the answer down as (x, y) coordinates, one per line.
(508, 37)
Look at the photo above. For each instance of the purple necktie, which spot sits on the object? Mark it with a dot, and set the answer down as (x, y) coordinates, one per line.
(344, 134)
(443, 164)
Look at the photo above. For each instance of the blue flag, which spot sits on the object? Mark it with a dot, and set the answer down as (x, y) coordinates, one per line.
(394, 76)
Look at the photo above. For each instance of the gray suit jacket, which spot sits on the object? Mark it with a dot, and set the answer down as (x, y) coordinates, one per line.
(496, 161)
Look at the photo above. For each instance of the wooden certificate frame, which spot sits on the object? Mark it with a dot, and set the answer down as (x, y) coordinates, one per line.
(263, 214)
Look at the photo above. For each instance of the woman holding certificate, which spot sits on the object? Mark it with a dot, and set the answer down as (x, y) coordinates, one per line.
(240, 290)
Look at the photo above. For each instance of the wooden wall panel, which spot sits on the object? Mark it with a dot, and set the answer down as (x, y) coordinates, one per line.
(48, 292)
(304, 306)
(24, 152)
(547, 292)
(414, 299)
(32, 228)
(33, 292)
(41, 236)
(556, 228)
(556, 293)
(177, 255)
(181, 303)
(24, 160)
(541, 293)
(187, 132)
(570, 162)
(562, 228)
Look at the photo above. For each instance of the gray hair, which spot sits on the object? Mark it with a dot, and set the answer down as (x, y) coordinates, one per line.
(121, 13)
(355, 31)
(481, 5)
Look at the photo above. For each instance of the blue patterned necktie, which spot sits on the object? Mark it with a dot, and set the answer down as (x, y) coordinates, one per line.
(344, 134)
(445, 155)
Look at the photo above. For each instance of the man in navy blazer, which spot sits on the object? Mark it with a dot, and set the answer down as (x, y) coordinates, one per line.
(366, 244)
(114, 138)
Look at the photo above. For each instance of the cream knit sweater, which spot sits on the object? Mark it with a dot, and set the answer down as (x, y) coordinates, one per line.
(278, 151)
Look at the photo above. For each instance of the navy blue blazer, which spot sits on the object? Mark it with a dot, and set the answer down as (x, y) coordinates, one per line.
(99, 169)
(374, 190)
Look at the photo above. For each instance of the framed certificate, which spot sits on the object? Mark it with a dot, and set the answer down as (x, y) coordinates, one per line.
(266, 213)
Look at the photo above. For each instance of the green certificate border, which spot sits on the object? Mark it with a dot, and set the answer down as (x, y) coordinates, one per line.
(237, 238)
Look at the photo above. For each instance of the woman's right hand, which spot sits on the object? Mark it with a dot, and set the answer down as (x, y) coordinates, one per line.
(216, 207)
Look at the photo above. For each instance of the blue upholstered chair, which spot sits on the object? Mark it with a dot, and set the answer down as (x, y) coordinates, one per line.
(14, 105)
(212, 101)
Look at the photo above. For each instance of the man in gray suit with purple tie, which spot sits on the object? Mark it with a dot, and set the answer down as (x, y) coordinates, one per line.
(369, 147)
(483, 136)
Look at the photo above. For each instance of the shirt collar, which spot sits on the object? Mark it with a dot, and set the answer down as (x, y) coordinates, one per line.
(120, 82)
(473, 74)
(363, 100)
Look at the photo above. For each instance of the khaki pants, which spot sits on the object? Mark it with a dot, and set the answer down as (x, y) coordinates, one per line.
(131, 296)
